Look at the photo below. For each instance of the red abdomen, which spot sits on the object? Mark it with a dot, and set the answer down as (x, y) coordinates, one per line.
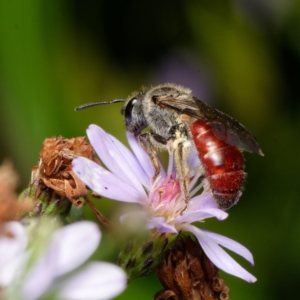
(223, 164)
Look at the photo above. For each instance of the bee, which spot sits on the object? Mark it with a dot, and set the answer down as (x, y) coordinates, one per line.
(180, 121)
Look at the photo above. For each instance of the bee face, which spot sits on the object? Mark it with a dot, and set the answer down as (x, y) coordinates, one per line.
(133, 112)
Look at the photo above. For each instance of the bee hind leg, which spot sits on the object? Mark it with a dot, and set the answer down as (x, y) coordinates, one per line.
(181, 153)
(181, 147)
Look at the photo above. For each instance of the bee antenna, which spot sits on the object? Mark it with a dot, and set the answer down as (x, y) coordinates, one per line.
(98, 103)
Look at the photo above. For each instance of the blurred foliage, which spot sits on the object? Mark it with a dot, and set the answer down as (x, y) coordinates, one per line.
(56, 55)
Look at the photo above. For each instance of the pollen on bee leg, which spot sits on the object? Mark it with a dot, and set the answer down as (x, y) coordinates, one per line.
(170, 150)
(181, 154)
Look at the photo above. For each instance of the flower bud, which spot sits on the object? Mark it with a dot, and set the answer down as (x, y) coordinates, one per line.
(142, 255)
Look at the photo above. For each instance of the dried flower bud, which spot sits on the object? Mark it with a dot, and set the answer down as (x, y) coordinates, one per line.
(54, 186)
(187, 274)
(55, 170)
(144, 253)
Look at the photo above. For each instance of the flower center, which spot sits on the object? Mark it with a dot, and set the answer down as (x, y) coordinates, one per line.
(166, 198)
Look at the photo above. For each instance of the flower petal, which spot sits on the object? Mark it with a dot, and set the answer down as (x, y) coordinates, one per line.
(201, 214)
(202, 201)
(10, 270)
(97, 281)
(161, 224)
(40, 276)
(231, 245)
(103, 182)
(71, 245)
(117, 158)
(193, 159)
(218, 256)
(76, 243)
(132, 162)
(13, 241)
(142, 156)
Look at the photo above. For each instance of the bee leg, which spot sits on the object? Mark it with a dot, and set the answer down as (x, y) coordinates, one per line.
(147, 144)
(181, 146)
(180, 154)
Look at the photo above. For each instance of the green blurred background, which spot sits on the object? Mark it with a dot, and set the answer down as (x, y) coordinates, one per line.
(242, 56)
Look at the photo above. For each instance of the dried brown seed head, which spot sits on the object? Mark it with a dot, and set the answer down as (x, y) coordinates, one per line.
(187, 274)
(55, 167)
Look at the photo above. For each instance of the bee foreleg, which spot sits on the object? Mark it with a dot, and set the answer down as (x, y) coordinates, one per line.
(147, 145)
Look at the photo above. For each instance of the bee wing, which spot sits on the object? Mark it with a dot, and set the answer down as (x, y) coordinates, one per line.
(224, 127)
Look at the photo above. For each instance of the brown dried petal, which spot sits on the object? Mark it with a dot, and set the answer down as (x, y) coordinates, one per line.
(224, 296)
(218, 285)
(166, 295)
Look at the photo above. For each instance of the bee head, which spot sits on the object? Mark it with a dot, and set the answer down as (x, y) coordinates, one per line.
(135, 120)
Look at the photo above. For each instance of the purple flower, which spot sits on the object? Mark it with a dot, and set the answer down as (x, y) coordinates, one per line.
(129, 179)
(28, 272)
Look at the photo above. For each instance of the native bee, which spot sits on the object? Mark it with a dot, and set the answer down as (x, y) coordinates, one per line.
(179, 120)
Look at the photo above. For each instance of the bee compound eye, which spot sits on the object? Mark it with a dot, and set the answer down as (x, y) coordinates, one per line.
(128, 110)
(154, 99)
